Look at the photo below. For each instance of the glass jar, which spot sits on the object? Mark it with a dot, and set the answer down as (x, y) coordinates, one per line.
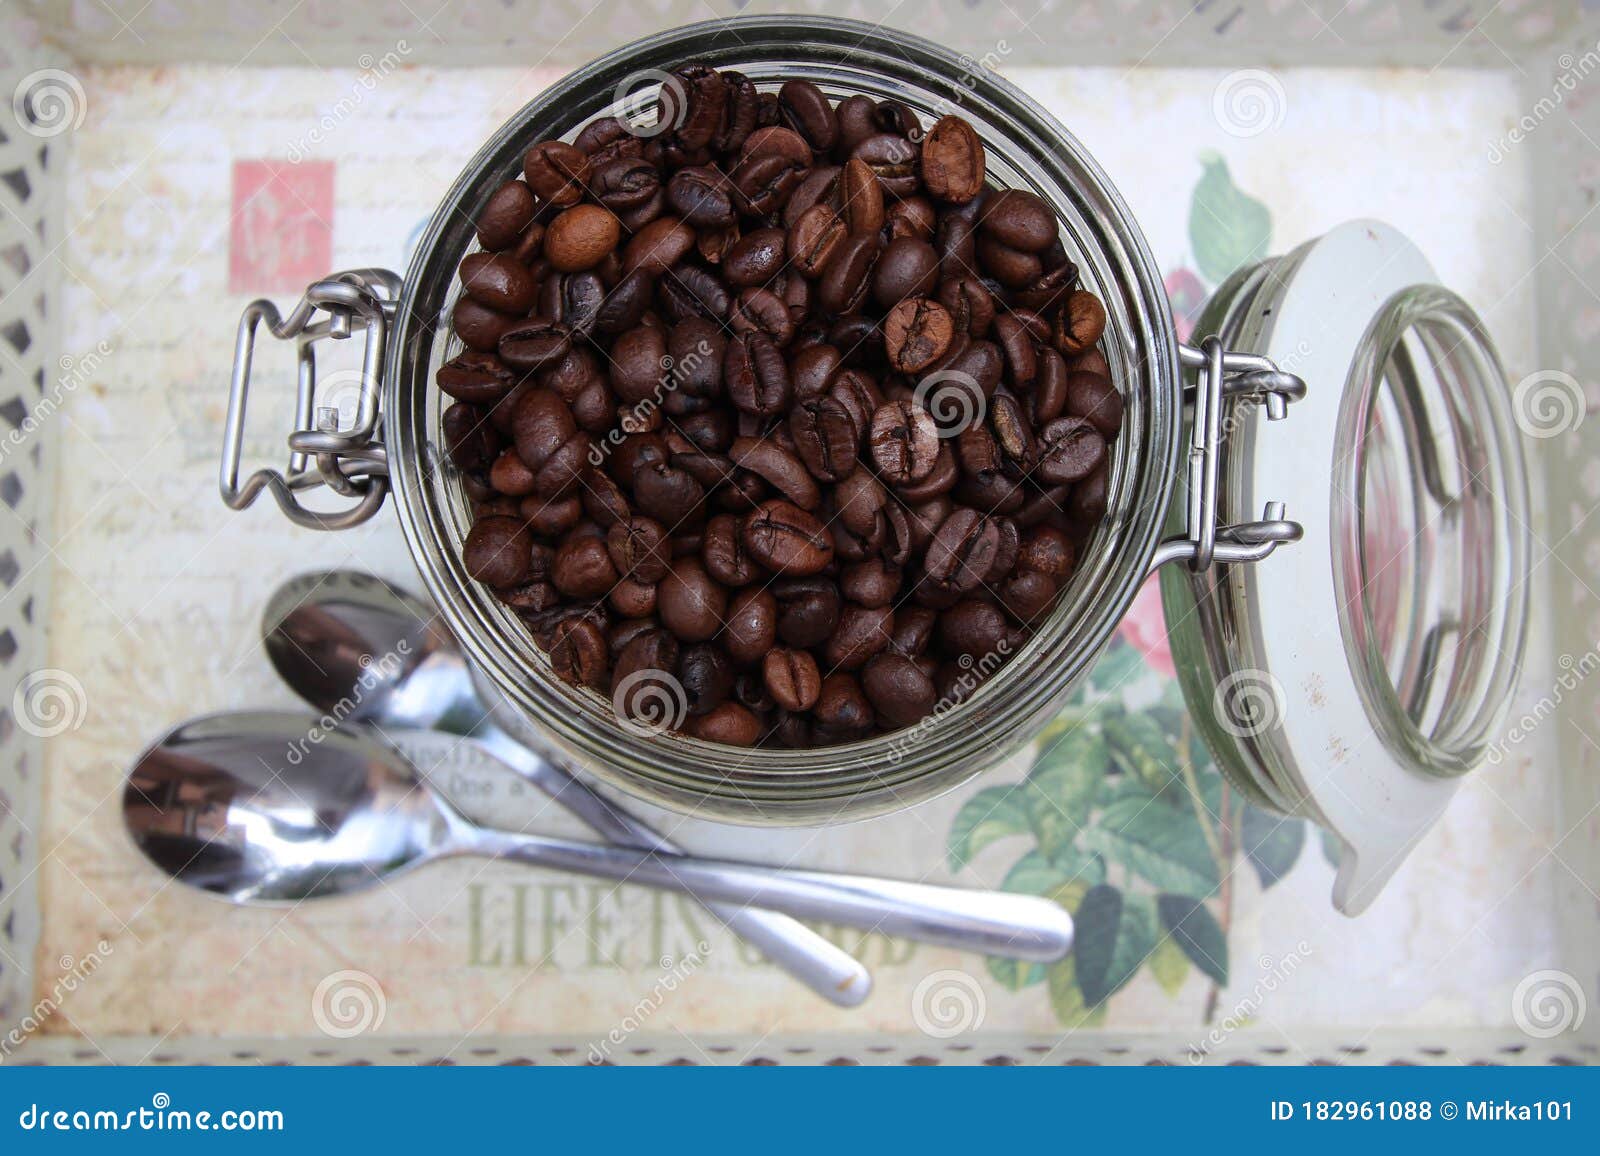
(1177, 439)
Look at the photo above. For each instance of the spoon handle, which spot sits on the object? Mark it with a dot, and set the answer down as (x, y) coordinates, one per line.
(992, 922)
(830, 971)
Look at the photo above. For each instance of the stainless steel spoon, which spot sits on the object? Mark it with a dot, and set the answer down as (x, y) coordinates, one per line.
(356, 647)
(264, 808)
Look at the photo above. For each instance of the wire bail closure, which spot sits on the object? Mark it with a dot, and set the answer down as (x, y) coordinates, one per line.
(1243, 378)
(351, 461)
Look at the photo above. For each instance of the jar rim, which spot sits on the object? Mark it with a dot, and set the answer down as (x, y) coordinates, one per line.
(876, 775)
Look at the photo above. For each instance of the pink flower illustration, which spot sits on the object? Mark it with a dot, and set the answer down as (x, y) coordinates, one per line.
(1144, 628)
(1187, 295)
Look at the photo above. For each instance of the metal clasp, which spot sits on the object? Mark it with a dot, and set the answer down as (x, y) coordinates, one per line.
(1242, 378)
(349, 461)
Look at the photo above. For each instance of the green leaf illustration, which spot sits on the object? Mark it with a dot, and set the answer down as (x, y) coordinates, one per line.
(993, 813)
(1169, 965)
(1066, 997)
(1015, 974)
(1033, 874)
(1272, 843)
(1196, 931)
(1062, 786)
(1227, 227)
(1118, 667)
(1115, 934)
(1164, 845)
(1141, 748)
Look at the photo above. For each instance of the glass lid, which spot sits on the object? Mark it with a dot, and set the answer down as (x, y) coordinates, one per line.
(1352, 677)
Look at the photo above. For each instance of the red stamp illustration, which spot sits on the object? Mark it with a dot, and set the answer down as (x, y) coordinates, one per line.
(282, 225)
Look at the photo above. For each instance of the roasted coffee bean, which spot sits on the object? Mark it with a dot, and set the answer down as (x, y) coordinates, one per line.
(908, 268)
(499, 281)
(814, 238)
(806, 610)
(723, 552)
(580, 237)
(825, 438)
(657, 247)
(873, 583)
(863, 631)
(847, 277)
(755, 374)
(898, 689)
(893, 160)
(507, 212)
(916, 333)
(792, 678)
(557, 172)
(666, 493)
(755, 258)
(583, 568)
(478, 378)
(779, 467)
(731, 723)
(535, 344)
(691, 603)
(498, 551)
(790, 383)
(638, 548)
(1069, 448)
(1019, 220)
(952, 162)
(1092, 396)
(1080, 323)
(706, 675)
(752, 625)
(786, 539)
(905, 442)
(578, 653)
(806, 110)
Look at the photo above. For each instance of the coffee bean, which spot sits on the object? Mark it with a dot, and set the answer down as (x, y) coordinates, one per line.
(792, 678)
(535, 344)
(752, 625)
(756, 376)
(814, 238)
(963, 550)
(916, 333)
(1092, 396)
(580, 237)
(498, 281)
(730, 723)
(952, 162)
(863, 631)
(842, 713)
(706, 676)
(806, 110)
(723, 551)
(905, 442)
(908, 268)
(1019, 219)
(498, 551)
(847, 277)
(1081, 322)
(787, 540)
(861, 196)
(825, 438)
(507, 212)
(638, 548)
(557, 172)
(478, 378)
(1069, 448)
(578, 653)
(755, 258)
(898, 689)
(690, 601)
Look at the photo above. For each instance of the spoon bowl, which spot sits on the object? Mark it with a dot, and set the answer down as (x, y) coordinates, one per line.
(267, 808)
